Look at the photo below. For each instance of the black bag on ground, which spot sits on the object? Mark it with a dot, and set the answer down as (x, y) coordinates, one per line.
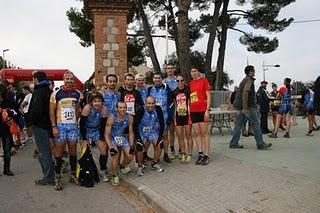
(87, 171)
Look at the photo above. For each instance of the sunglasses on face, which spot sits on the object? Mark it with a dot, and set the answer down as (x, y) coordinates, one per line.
(182, 80)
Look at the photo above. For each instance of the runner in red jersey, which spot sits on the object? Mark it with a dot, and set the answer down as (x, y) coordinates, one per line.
(200, 99)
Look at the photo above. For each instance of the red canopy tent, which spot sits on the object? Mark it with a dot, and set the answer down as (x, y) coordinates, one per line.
(13, 75)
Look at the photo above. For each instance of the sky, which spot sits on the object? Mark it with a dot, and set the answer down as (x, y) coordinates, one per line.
(37, 34)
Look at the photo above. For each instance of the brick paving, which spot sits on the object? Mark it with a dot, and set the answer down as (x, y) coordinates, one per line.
(232, 185)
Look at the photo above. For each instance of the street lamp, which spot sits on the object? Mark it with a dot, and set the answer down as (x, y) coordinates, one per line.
(3, 59)
(264, 66)
(179, 13)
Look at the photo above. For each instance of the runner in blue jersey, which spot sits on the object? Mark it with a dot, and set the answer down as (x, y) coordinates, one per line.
(148, 128)
(110, 95)
(171, 81)
(92, 126)
(118, 141)
(140, 87)
(163, 97)
(285, 108)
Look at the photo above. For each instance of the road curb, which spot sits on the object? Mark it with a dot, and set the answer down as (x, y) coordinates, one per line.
(156, 201)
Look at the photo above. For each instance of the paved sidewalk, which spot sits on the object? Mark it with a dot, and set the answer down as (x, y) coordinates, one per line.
(241, 180)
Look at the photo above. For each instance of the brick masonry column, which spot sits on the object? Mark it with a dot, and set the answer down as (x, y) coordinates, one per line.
(110, 20)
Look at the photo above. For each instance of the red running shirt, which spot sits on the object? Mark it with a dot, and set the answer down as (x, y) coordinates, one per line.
(198, 97)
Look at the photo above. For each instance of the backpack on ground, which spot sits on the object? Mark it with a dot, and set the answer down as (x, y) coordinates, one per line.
(87, 172)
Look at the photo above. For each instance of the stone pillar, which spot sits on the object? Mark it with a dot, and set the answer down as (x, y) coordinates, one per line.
(110, 20)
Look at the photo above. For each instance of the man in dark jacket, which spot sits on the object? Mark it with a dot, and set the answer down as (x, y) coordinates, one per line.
(316, 90)
(40, 120)
(246, 103)
(264, 107)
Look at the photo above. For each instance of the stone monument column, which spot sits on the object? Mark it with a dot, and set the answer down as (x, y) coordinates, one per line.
(110, 18)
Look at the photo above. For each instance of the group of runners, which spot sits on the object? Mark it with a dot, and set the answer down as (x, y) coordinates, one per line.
(126, 121)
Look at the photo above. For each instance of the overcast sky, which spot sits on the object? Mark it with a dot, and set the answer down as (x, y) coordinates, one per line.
(37, 34)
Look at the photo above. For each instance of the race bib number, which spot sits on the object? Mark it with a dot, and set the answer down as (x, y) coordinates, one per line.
(130, 108)
(194, 97)
(146, 129)
(119, 141)
(129, 99)
(68, 115)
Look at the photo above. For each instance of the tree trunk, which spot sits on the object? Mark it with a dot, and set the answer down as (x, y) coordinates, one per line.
(175, 29)
(184, 39)
(212, 36)
(222, 48)
(146, 27)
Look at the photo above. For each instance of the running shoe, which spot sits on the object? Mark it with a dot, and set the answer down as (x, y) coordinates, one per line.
(199, 160)
(73, 178)
(189, 159)
(205, 160)
(173, 155)
(286, 135)
(309, 133)
(115, 181)
(273, 135)
(58, 183)
(104, 176)
(125, 170)
(156, 167)
(140, 171)
(183, 158)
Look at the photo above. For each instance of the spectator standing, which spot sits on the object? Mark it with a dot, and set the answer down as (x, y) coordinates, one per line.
(25, 109)
(7, 113)
(264, 107)
(40, 120)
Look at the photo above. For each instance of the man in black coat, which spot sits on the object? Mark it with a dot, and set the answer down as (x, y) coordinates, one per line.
(264, 106)
(40, 120)
(316, 90)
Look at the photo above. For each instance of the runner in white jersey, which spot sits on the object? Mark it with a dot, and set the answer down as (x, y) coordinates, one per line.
(64, 113)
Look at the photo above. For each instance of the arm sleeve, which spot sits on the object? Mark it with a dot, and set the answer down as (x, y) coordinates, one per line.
(161, 120)
(102, 127)
(83, 129)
